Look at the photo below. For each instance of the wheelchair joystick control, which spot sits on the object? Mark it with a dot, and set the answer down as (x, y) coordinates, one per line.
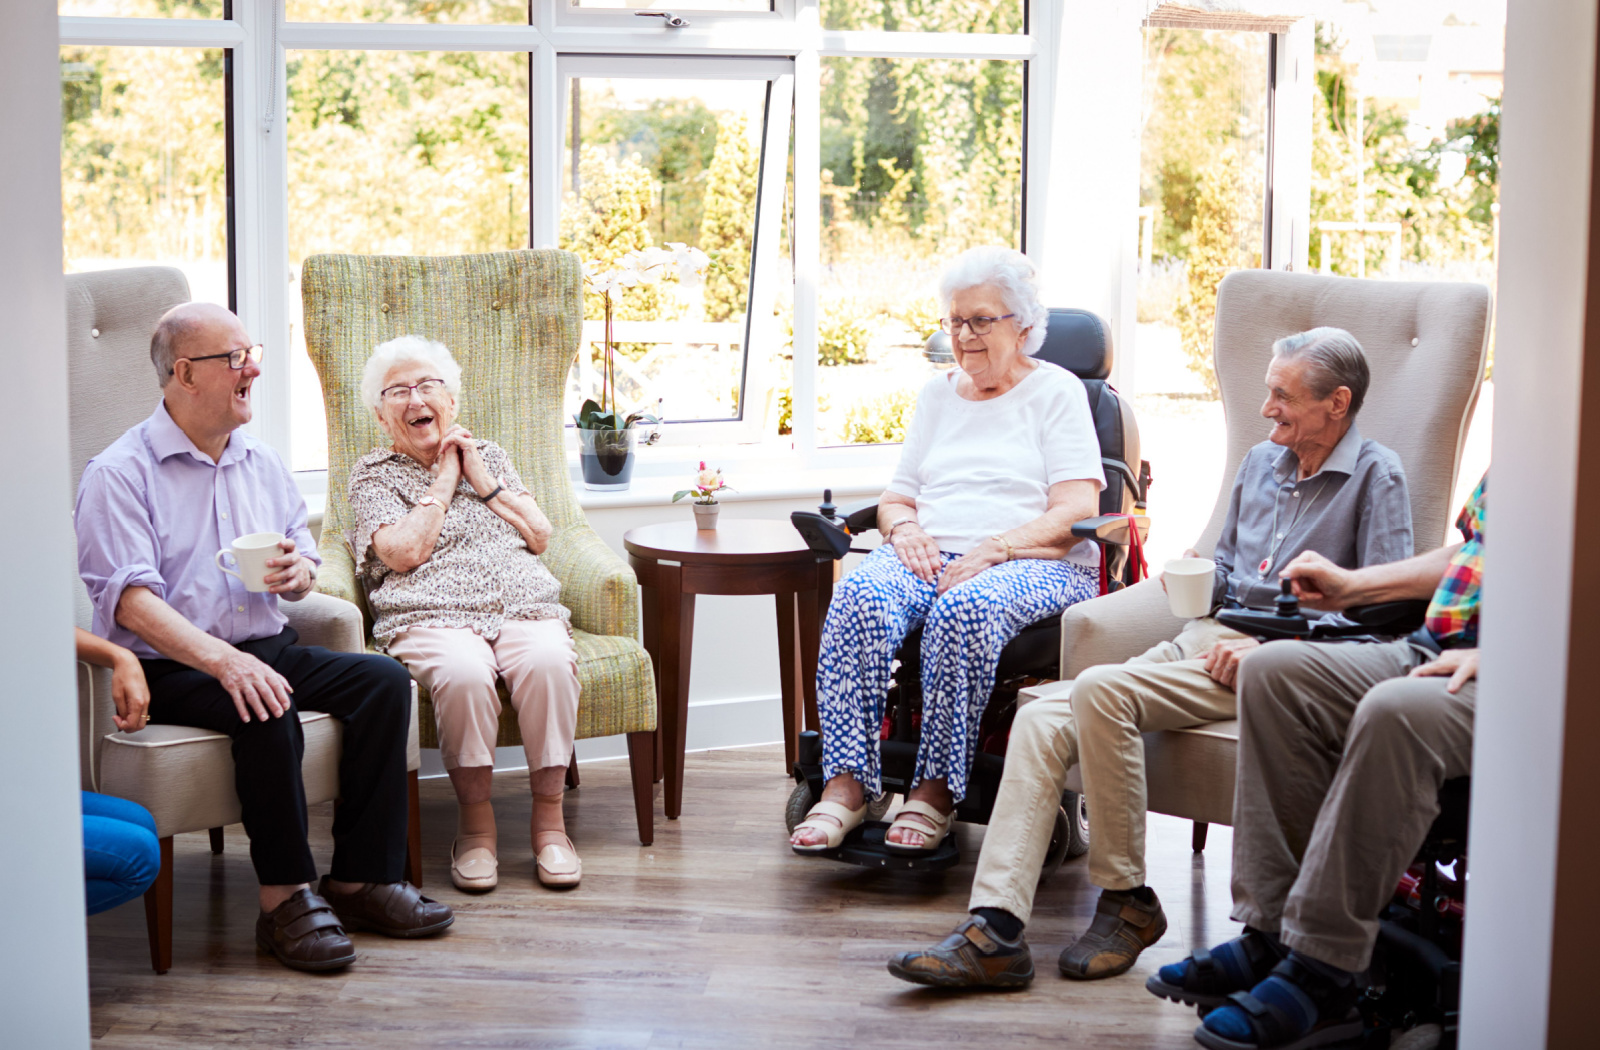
(1287, 603)
(826, 508)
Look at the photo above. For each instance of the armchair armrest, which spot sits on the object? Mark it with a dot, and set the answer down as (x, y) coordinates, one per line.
(337, 576)
(1115, 627)
(1111, 529)
(596, 584)
(330, 622)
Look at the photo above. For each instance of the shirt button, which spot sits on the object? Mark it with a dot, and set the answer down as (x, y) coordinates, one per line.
(1280, 535)
(241, 608)
(224, 517)
(1296, 493)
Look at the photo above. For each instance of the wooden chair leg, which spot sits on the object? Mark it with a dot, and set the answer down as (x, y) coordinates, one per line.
(1198, 839)
(216, 840)
(572, 770)
(413, 830)
(158, 912)
(641, 766)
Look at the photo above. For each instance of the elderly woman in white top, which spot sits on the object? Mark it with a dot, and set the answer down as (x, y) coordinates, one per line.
(449, 539)
(1000, 461)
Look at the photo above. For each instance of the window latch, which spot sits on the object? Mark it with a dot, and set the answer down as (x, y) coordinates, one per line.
(671, 20)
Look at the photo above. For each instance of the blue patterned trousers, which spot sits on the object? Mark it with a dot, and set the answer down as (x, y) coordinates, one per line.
(872, 611)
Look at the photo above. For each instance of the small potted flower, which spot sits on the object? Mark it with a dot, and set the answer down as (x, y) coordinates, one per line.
(707, 483)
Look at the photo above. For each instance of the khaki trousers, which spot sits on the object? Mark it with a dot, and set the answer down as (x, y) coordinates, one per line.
(1340, 762)
(459, 666)
(1098, 724)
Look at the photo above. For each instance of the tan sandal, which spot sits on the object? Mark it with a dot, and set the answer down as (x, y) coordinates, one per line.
(842, 822)
(558, 866)
(933, 832)
(475, 871)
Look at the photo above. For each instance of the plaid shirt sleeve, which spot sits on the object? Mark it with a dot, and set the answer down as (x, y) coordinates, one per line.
(1453, 612)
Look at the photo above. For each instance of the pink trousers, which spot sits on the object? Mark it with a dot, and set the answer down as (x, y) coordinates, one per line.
(540, 667)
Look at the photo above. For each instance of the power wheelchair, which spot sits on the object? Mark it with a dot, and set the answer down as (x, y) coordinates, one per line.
(1412, 998)
(1080, 342)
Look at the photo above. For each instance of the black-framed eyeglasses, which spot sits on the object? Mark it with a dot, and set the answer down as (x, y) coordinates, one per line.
(400, 393)
(236, 358)
(979, 325)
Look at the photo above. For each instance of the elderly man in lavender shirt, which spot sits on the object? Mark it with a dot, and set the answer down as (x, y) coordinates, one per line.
(153, 510)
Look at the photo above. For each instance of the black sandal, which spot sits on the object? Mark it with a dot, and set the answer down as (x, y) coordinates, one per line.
(1273, 1026)
(1206, 981)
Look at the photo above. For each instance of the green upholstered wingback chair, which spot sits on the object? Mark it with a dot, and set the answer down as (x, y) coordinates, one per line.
(512, 320)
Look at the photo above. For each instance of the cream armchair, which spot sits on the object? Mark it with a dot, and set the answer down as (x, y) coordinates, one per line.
(1427, 344)
(183, 776)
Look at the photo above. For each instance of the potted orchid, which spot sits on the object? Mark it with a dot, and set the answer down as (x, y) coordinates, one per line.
(606, 436)
(707, 483)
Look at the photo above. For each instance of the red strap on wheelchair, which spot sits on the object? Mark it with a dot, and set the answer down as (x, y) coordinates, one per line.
(1138, 569)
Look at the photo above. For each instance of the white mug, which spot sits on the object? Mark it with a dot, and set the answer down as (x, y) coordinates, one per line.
(1189, 582)
(250, 553)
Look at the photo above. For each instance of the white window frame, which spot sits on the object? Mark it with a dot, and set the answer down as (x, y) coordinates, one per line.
(565, 13)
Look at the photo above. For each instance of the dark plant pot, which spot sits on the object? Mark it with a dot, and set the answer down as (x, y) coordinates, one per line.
(606, 457)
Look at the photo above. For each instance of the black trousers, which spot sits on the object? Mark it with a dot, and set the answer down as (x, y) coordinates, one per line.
(370, 694)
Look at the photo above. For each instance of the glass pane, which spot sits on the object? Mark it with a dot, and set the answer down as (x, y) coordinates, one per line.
(466, 12)
(399, 153)
(651, 163)
(141, 8)
(927, 16)
(921, 159)
(742, 6)
(143, 170)
(1202, 193)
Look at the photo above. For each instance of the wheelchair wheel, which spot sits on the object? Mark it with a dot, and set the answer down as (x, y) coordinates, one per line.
(800, 802)
(1076, 808)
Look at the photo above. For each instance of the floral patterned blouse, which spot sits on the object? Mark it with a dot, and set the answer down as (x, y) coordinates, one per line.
(481, 572)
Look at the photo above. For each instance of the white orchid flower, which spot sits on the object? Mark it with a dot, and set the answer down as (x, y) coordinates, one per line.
(692, 265)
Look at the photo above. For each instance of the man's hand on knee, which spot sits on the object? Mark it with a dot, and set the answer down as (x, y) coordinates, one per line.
(1222, 659)
(253, 685)
(1461, 665)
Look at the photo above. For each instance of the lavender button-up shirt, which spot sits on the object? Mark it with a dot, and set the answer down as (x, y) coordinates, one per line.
(153, 510)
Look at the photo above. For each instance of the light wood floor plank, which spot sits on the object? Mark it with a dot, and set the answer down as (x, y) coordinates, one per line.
(715, 937)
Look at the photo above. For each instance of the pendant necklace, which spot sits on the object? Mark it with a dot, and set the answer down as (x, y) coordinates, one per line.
(1277, 543)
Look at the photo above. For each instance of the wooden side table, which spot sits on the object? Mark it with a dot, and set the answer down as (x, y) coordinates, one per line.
(676, 561)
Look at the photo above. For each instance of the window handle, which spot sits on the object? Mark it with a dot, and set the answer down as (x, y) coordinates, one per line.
(671, 20)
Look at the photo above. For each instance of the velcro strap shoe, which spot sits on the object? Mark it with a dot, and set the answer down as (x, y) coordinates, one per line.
(1123, 927)
(394, 909)
(973, 956)
(303, 933)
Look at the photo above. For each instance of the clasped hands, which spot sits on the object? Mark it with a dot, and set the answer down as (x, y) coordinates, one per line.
(919, 552)
(459, 458)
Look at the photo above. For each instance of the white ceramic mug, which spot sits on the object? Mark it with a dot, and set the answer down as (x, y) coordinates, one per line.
(250, 553)
(1189, 585)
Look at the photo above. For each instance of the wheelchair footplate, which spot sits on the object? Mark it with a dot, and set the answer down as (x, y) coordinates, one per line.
(864, 846)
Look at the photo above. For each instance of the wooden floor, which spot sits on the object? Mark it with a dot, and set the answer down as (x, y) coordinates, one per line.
(715, 936)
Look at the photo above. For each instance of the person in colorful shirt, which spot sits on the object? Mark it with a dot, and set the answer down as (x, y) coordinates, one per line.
(1342, 751)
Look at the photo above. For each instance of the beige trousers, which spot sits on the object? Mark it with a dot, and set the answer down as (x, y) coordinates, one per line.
(1341, 757)
(459, 666)
(1098, 725)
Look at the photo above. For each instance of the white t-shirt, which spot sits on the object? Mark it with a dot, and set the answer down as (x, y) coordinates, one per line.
(976, 468)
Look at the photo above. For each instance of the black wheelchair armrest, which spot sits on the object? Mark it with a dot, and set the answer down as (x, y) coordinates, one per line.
(859, 517)
(1394, 618)
(1110, 529)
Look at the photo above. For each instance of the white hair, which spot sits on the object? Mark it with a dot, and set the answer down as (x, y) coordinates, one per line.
(1016, 278)
(408, 349)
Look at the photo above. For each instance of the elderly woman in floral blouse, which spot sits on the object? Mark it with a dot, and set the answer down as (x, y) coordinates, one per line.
(449, 539)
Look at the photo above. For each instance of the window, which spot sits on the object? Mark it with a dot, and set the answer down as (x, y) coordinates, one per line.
(143, 162)
(909, 16)
(141, 8)
(921, 159)
(398, 153)
(469, 12)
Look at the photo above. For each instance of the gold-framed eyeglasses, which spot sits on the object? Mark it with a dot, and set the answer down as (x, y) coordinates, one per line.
(236, 357)
(979, 325)
(400, 393)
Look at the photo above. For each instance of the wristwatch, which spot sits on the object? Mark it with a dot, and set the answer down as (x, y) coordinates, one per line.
(431, 500)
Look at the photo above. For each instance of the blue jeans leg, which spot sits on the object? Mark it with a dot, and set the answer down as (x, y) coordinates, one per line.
(121, 854)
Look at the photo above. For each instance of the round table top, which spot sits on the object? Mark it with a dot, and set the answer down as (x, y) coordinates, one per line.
(733, 540)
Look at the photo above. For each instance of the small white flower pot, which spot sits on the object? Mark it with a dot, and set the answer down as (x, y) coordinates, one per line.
(705, 515)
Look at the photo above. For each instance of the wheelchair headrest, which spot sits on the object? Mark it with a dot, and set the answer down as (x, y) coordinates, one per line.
(1078, 341)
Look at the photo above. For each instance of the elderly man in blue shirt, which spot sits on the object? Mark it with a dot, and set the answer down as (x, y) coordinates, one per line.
(153, 510)
(1315, 484)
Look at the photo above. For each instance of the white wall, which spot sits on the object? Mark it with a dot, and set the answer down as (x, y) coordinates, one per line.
(44, 1000)
(1545, 151)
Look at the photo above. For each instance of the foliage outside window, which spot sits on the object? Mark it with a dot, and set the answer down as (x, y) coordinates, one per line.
(143, 178)
(921, 159)
(925, 16)
(141, 8)
(399, 153)
(467, 12)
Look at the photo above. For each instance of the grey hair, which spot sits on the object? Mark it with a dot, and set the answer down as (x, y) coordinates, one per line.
(1334, 359)
(407, 349)
(175, 327)
(1016, 278)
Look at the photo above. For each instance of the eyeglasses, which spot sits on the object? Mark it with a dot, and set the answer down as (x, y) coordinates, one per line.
(979, 325)
(401, 393)
(236, 358)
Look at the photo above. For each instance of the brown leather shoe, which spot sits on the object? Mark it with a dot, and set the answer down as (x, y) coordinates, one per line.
(973, 956)
(1123, 927)
(303, 933)
(394, 909)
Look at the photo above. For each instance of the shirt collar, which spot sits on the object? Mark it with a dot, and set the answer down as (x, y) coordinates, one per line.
(167, 439)
(1342, 460)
